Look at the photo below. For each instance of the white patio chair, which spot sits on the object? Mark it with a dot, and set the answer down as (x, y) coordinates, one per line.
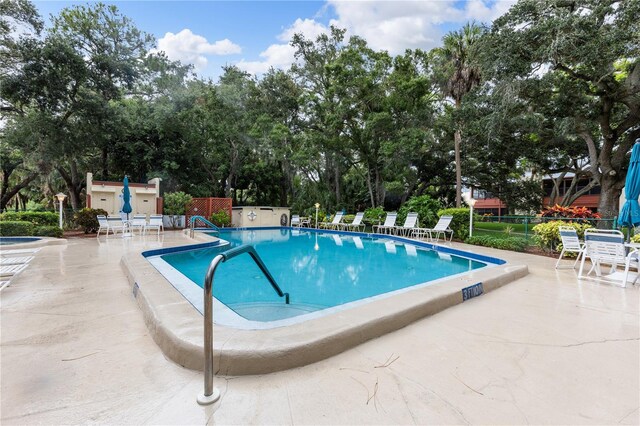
(441, 228)
(388, 225)
(335, 223)
(103, 224)
(570, 244)
(295, 221)
(155, 222)
(356, 224)
(410, 223)
(115, 224)
(139, 222)
(604, 247)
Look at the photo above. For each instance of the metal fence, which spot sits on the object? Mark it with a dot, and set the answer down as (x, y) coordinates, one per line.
(522, 226)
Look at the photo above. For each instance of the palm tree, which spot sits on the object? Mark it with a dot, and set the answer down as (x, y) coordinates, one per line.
(462, 75)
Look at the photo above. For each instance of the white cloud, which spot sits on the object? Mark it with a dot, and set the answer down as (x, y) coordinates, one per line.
(386, 25)
(191, 48)
(399, 25)
(282, 55)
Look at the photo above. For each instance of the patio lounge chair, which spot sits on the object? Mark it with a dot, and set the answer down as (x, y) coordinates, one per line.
(607, 247)
(410, 223)
(356, 224)
(139, 222)
(335, 223)
(441, 228)
(155, 222)
(388, 225)
(570, 244)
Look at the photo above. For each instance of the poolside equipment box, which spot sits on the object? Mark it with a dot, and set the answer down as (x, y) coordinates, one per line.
(255, 216)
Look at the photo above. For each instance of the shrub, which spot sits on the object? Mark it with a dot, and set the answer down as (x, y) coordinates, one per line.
(636, 238)
(86, 219)
(220, 218)
(571, 212)
(175, 204)
(48, 231)
(510, 243)
(426, 207)
(460, 221)
(374, 216)
(547, 235)
(36, 218)
(16, 228)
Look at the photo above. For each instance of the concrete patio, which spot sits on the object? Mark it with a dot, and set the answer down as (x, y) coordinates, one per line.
(543, 349)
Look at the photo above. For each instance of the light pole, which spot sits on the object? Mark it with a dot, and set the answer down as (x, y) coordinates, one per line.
(317, 207)
(60, 196)
(470, 202)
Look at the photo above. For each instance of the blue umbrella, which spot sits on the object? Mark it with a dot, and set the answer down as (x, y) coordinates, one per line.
(126, 197)
(630, 212)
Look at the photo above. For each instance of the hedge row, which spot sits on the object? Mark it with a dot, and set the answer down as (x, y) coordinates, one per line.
(18, 228)
(510, 243)
(37, 218)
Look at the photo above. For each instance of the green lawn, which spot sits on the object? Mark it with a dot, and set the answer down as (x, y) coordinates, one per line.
(496, 229)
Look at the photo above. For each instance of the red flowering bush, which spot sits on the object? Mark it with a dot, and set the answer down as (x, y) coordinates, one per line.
(570, 212)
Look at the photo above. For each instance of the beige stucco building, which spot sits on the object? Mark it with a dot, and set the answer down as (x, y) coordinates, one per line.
(145, 197)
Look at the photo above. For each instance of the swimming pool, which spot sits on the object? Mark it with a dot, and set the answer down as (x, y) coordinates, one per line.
(5, 241)
(320, 270)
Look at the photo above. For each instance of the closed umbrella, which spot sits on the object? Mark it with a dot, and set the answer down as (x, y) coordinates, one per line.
(126, 197)
(630, 212)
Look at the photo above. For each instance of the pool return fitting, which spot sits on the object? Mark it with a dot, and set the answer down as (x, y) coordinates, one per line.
(211, 394)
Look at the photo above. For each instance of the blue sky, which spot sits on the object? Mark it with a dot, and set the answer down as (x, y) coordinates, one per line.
(254, 35)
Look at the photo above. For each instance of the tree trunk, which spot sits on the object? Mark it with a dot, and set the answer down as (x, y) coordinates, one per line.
(10, 193)
(74, 184)
(283, 184)
(457, 142)
(610, 190)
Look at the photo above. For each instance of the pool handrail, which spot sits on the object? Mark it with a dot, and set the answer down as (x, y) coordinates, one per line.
(210, 394)
(192, 223)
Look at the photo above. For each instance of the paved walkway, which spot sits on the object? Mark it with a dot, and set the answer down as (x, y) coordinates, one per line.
(544, 349)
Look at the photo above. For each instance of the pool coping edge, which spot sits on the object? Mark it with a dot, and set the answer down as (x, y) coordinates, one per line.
(177, 327)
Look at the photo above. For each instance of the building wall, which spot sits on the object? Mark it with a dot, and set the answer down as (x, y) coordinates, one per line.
(145, 197)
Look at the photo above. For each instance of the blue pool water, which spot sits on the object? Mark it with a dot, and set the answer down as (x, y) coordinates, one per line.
(5, 241)
(318, 270)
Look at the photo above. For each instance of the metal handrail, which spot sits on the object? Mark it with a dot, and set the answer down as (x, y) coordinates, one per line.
(192, 223)
(211, 394)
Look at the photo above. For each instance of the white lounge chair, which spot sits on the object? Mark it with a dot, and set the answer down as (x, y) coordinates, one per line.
(295, 220)
(139, 222)
(607, 248)
(570, 244)
(155, 222)
(11, 270)
(410, 223)
(14, 252)
(356, 224)
(21, 260)
(335, 223)
(441, 228)
(388, 225)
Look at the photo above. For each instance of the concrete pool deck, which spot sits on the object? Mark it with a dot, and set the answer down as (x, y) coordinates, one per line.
(543, 349)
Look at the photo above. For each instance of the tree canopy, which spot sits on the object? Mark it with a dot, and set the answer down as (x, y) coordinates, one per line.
(551, 88)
